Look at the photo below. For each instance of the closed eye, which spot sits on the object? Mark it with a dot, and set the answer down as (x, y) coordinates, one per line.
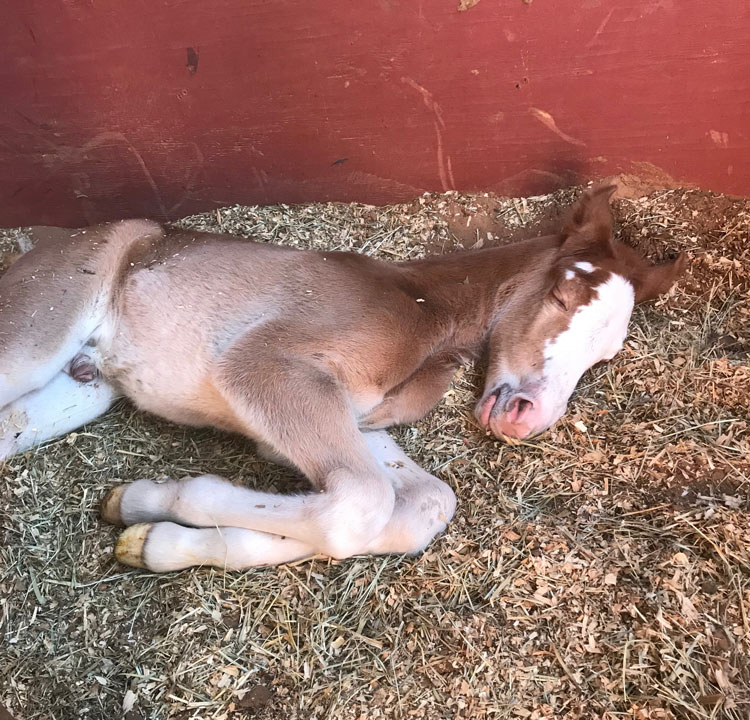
(558, 302)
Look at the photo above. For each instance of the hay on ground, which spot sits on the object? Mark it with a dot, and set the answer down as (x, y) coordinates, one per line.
(601, 571)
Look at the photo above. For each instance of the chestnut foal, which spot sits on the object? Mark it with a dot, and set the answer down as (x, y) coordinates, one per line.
(308, 353)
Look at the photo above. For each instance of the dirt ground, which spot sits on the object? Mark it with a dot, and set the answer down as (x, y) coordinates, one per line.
(600, 571)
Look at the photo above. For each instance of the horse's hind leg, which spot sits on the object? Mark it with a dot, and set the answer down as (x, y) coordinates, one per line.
(62, 405)
(54, 299)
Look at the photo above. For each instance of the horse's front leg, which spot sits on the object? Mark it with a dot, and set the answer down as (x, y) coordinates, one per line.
(423, 507)
(415, 397)
(301, 413)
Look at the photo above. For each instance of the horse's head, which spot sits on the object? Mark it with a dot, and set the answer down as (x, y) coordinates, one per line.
(571, 316)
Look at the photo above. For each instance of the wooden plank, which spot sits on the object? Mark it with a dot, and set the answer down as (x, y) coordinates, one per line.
(115, 109)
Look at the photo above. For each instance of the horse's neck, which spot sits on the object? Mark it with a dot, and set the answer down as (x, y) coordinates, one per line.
(474, 289)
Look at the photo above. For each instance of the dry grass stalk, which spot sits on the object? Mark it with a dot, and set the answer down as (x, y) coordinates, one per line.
(602, 571)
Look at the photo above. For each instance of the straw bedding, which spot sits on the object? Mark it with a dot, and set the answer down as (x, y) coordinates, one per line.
(600, 571)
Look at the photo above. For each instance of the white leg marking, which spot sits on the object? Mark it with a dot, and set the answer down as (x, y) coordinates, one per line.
(62, 405)
(173, 547)
(424, 504)
(423, 507)
(339, 522)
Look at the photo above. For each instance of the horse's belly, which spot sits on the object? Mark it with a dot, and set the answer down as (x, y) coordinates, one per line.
(161, 359)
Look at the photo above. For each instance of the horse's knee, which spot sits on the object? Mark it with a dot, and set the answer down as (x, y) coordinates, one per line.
(417, 519)
(432, 518)
(354, 516)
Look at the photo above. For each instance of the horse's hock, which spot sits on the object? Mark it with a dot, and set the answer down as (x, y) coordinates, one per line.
(599, 571)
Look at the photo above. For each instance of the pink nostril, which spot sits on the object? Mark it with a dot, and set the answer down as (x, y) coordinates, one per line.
(518, 406)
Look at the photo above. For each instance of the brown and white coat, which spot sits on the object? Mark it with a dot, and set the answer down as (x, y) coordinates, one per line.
(310, 354)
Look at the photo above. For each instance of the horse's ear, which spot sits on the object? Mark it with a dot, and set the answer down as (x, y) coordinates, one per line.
(657, 279)
(590, 223)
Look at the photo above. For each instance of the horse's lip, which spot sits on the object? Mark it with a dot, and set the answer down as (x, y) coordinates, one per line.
(493, 403)
(486, 407)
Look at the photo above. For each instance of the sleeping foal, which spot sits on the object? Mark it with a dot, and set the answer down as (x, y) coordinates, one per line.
(310, 354)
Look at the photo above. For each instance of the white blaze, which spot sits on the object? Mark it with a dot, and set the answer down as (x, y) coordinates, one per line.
(596, 332)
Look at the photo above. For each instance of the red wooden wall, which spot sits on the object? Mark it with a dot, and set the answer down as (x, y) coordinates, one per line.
(164, 107)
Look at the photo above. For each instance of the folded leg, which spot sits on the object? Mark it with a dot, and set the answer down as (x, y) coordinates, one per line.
(225, 518)
(424, 504)
(62, 405)
(165, 546)
(414, 397)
